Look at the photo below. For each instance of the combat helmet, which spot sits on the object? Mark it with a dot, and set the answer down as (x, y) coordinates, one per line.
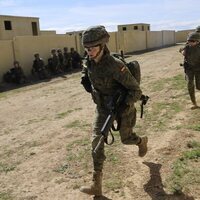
(94, 36)
(197, 29)
(194, 36)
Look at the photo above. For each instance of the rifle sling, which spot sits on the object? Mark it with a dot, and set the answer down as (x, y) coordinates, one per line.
(106, 139)
(142, 110)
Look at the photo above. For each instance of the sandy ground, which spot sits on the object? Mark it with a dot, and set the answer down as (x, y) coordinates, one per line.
(38, 122)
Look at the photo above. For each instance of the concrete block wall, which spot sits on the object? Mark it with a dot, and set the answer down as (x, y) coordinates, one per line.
(23, 48)
(181, 36)
(168, 38)
(6, 56)
(26, 46)
(154, 39)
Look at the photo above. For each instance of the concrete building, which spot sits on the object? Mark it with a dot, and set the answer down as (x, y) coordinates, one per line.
(11, 26)
(78, 38)
(132, 27)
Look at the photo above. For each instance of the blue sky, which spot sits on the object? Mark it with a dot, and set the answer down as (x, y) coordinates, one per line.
(71, 15)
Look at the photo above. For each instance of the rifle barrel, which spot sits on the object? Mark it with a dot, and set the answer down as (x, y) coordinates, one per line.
(99, 143)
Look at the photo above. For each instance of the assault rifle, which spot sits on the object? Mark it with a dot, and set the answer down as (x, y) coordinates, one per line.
(114, 106)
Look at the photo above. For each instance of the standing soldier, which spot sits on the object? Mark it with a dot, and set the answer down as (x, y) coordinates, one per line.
(192, 65)
(197, 29)
(102, 76)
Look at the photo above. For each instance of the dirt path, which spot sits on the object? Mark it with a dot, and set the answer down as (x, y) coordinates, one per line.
(42, 125)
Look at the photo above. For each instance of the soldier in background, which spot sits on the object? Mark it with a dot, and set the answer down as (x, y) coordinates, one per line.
(15, 75)
(67, 59)
(39, 67)
(191, 55)
(61, 60)
(197, 30)
(53, 62)
(76, 59)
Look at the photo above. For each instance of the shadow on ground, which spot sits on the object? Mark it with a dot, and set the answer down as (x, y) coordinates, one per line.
(30, 81)
(154, 187)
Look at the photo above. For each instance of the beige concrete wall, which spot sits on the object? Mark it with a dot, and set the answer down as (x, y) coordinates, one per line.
(20, 26)
(132, 41)
(26, 46)
(113, 42)
(6, 56)
(79, 46)
(181, 36)
(168, 38)
(47, 32)
(154, 39)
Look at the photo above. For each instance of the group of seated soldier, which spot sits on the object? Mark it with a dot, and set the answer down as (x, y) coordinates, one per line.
(59, 62)
(64, 61)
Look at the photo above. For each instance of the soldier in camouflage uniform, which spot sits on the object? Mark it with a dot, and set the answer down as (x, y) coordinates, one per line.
(192, 65)
(67, 59)
(197, 29)
(102, 76)
(39, 67)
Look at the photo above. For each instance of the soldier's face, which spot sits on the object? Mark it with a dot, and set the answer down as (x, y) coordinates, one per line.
(92, 51)
(193, 42)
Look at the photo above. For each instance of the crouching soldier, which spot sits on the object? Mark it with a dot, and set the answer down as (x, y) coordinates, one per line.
(38, 67)
(15, 74)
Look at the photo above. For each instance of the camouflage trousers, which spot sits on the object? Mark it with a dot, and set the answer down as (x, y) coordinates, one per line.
(128, 121)
(193, 79)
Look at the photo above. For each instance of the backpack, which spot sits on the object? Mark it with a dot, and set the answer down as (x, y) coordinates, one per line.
(133, 66)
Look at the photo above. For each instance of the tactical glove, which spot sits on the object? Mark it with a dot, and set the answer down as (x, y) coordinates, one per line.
(86, 84)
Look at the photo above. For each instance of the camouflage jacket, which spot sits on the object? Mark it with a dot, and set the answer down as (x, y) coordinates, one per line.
(192, 56)
(108, 75)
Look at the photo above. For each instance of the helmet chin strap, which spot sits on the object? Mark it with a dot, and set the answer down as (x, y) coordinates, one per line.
(99, 52)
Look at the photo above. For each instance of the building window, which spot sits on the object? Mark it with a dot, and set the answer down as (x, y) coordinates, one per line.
(34, 28)
(135, 27)
(148, 28)
(8, 25)
(124, 28)
(142, 28)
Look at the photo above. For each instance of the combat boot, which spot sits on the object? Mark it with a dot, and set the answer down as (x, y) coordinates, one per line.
(142, 146)
(96, 187)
